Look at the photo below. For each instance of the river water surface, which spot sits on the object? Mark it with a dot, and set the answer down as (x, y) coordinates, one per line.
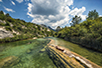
(31, 53)
(27, 53)
(94, 56)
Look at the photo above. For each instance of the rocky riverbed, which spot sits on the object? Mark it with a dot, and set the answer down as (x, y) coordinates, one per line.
(69, 58)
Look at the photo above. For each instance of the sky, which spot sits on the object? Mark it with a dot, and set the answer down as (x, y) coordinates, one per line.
(52, 13)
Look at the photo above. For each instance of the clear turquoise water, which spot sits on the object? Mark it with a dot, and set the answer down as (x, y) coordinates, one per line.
(32, 56)
(29, 55)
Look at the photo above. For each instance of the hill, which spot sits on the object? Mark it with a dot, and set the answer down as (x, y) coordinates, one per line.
(15, 29)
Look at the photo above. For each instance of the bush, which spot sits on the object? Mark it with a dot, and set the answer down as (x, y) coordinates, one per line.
(8, 28)
(10, 19)
(2, 24)
(87, 33)
(2, 17)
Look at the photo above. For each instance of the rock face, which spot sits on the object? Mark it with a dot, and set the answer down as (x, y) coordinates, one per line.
(2, 22)
(4, 33)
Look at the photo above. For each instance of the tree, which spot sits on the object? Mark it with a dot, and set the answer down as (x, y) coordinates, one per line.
(1, 12)
(7, 15)
(58, 28)
(92, 15)
(75, 20)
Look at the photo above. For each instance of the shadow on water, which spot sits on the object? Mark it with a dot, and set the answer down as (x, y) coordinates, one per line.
(57, 59)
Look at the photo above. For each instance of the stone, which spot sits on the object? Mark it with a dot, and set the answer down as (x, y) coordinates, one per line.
(4, 33)
(8, 61)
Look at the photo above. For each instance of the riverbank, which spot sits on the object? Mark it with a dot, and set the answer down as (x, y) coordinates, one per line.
(70, 54)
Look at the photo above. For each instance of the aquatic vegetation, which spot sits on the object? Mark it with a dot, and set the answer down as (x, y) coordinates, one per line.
(27, 55)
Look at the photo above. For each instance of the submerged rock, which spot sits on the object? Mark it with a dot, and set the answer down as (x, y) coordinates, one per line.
(42, 50)
(9, 61)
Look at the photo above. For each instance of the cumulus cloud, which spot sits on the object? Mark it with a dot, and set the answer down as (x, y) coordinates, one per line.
(4, 13)
(13, 2)
(19, 1)
(8, 9)
(78, 12)
(100, 15)
(0, 0)
(53, 12)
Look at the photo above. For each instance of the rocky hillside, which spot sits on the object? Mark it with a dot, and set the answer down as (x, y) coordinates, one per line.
(4, 33)
(19, 29)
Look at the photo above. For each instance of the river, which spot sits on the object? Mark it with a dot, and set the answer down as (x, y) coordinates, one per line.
(94, 56)
(31, 53)
(27, 54)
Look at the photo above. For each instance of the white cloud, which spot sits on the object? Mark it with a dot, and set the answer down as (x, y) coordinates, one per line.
(100, 15)
(13, 2)
(0, 0)
(29, 9)
(53, 12)
(4, 13)
(19, 1)
(78, 12)
(8, 9)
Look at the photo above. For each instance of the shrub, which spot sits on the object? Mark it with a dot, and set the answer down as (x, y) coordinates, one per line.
(8, 28)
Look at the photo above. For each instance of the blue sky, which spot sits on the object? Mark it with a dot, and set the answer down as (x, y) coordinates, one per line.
(50, 12)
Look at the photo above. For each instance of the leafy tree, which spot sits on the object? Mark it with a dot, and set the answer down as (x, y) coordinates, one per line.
(58, 28)
(96, 28)
(75, 20)
(7, 15)
(2, 16)
(93, 15)
(10, 19)
(1, 12)
(87, 24)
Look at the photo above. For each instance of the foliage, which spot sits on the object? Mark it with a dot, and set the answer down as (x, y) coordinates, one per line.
(88, 33)
(2, 16)
(8, 28)
(1, 12)
(7, 15)
(25, 29)
(58, 28)
(75, 20)
(93, 15)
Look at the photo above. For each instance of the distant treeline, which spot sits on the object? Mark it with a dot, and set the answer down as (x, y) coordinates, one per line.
(88, 33)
